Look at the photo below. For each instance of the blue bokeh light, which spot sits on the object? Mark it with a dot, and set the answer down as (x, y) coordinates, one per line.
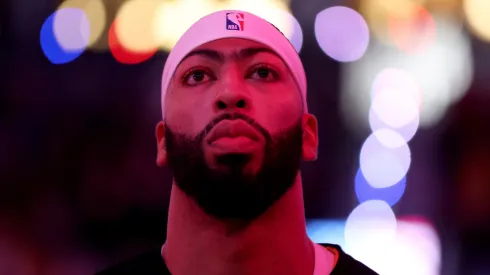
(391, 195)
(50, 46)
(326, 231)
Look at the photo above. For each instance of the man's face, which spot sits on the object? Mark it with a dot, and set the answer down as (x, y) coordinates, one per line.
(233, 128)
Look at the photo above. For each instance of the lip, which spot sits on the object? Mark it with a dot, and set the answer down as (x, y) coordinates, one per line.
(233, 129)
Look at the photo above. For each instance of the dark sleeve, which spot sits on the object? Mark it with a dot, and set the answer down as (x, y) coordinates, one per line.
(347, 265)
(145, 264)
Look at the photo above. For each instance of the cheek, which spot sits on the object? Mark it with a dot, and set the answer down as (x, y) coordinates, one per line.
(278, 111)
(187, 115)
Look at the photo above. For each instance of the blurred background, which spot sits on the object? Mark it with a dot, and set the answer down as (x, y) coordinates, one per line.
(401, 90)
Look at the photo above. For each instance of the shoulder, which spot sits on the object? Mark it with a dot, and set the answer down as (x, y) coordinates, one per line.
(147, 263)
(346, 264)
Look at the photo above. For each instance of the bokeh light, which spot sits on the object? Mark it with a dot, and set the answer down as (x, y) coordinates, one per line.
(370, 229)
(411, 247)
(124, 55)
(326, 231)
(396, 103)
(413, 31)
(52, 49)
(173, 18)
(342, 33)
(421, 244)
(136, 29)
(383, 166)
(425, 232)
(395, 108)
(71, 29)
(365, 192)
(477, 16)
(396, 79)
(416, 250)
(400, 13)
(389, 138)
(443, 74)
(392, 137)
(95, 12)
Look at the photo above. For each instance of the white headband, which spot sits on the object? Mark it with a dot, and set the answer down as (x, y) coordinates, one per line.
(234, 24)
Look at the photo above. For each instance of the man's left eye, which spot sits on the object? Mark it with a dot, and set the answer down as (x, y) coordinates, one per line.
(263, 73)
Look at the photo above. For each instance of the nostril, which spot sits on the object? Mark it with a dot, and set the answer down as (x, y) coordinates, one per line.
(240, 103)
(221, 105)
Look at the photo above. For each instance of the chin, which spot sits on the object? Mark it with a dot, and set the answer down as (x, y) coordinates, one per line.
(246, 164)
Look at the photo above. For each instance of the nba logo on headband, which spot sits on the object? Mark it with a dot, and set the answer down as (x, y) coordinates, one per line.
(235, 21)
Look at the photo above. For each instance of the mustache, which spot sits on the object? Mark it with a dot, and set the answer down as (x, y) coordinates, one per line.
(234, 116)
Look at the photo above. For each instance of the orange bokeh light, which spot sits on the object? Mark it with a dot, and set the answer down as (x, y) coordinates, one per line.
(414, 31)
(124, 55)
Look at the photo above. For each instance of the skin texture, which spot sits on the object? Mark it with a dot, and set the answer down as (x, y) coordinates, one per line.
(233, 135)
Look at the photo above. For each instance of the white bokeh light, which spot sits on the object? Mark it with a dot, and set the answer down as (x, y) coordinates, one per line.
(381, 165)
(389, 138)
(395, 108)
(443, 74)
(416, 250)
(396, 102)
(420, 244)
(370, 231)
(396, 79)
(407, 132)
(342, 33)
(71, 28)
(95, 11)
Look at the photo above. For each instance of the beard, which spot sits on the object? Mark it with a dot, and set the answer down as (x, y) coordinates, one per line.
(232, 193)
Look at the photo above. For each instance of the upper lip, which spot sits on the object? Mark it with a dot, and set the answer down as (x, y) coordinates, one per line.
(233, 128)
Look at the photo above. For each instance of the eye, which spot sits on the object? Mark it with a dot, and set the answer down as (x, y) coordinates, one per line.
(262, 72)
(195, 76)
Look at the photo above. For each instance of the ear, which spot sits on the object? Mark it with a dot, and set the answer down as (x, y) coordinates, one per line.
(310, 137)
(161, 148)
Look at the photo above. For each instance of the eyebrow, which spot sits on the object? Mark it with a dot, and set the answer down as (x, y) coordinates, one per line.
(240, 55)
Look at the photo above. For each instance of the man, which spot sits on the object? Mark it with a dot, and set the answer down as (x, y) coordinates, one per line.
(235, 128)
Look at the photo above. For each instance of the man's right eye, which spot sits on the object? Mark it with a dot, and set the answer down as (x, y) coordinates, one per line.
(195, 77)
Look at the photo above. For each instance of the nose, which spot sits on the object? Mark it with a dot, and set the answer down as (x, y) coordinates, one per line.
(231, 102)
(232, 96)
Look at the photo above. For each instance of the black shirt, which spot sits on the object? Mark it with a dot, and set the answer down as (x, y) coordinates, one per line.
(151, 263)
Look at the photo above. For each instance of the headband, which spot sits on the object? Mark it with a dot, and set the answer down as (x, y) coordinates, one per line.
(234, 24)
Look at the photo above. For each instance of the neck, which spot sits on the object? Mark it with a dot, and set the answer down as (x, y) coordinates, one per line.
(274, 243)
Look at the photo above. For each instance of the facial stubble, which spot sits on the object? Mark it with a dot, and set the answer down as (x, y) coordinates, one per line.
(233, 193)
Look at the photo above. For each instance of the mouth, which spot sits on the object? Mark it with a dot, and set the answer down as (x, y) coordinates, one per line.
(233, 130)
